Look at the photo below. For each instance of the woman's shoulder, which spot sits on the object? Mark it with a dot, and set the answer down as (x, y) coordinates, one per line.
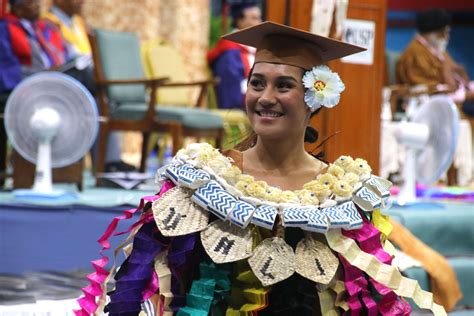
(235, 155)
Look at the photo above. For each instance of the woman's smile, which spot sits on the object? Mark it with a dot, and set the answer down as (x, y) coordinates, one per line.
(269, 114)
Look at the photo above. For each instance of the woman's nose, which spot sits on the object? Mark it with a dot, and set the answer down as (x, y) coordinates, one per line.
(268, 97)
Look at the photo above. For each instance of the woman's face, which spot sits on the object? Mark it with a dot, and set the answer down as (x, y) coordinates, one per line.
(275, 101)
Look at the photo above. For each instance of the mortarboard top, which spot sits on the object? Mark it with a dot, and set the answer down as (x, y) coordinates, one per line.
(281, 44)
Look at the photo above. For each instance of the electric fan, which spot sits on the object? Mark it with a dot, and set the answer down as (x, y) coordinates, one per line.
(430, 139)
(51, 121)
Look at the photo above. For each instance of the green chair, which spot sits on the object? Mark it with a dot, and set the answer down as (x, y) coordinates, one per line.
(161, 59)
(126, 105)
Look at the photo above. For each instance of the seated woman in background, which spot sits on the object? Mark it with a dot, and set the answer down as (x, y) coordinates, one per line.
(427, 61)
(267, 229)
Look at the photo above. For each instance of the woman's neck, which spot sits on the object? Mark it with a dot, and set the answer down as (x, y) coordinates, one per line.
(281, 163)
(279, 154)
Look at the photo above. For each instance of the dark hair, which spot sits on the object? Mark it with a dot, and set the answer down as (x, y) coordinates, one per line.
(311, 134)
(237, 11)
(432, 20)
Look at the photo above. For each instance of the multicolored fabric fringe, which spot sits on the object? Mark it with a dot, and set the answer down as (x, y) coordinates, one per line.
(209, 293)
(165, 266)
(95, 290)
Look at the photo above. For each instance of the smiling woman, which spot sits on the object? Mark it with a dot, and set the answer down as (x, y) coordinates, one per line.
(267, 229)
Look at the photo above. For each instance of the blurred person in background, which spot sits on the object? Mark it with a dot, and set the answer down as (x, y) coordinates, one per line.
(37, 45)
(231, 62)
(66, 16)
(30, 44)
(33, 44)
(426, 61)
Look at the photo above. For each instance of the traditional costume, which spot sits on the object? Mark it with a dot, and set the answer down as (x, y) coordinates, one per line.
(214, 241)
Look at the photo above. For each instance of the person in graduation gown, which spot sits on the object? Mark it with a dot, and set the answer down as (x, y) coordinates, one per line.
(266, 228)
(231, 62)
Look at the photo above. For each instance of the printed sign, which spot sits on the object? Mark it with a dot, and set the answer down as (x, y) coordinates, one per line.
(360, 33)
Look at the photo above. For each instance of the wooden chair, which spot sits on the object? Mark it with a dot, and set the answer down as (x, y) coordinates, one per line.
(163, 60)
(178, 95)
(122, 92)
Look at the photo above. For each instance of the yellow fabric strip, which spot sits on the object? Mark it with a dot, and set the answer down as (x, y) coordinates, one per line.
(381, 222)
(382, 273)
(340, 289)
(76, 35)
(326, 301)
(247, 292)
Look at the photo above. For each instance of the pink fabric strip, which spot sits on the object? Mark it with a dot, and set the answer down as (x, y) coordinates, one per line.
(152, 287)
(369, 239)
(356, 284)
(94, 289)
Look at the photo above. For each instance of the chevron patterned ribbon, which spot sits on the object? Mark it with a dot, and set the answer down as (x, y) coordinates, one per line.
(295, 217)
(241, 214)
(350, 211)
(317, 221)
(367, 199)
(191, 177)
(336, 217)
(265, 216)
(380, 188)
(214, 198)
(211, 195)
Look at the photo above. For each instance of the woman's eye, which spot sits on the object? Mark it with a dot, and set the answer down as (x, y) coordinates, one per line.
(284, 86)
(256, 83)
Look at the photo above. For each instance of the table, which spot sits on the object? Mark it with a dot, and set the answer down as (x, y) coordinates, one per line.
(59, 236)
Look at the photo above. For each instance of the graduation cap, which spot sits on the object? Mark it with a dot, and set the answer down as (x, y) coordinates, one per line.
(281, 44)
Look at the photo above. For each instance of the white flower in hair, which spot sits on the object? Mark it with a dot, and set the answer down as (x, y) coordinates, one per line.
(324, 87)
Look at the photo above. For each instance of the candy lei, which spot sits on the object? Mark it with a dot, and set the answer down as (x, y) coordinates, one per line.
(322, 204)
(343, 178)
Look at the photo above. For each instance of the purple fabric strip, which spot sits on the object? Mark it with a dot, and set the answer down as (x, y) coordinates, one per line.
(136, 272)
(178, 260)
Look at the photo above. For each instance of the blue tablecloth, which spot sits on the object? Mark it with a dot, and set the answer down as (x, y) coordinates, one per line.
(56, 236)
(447, 227)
